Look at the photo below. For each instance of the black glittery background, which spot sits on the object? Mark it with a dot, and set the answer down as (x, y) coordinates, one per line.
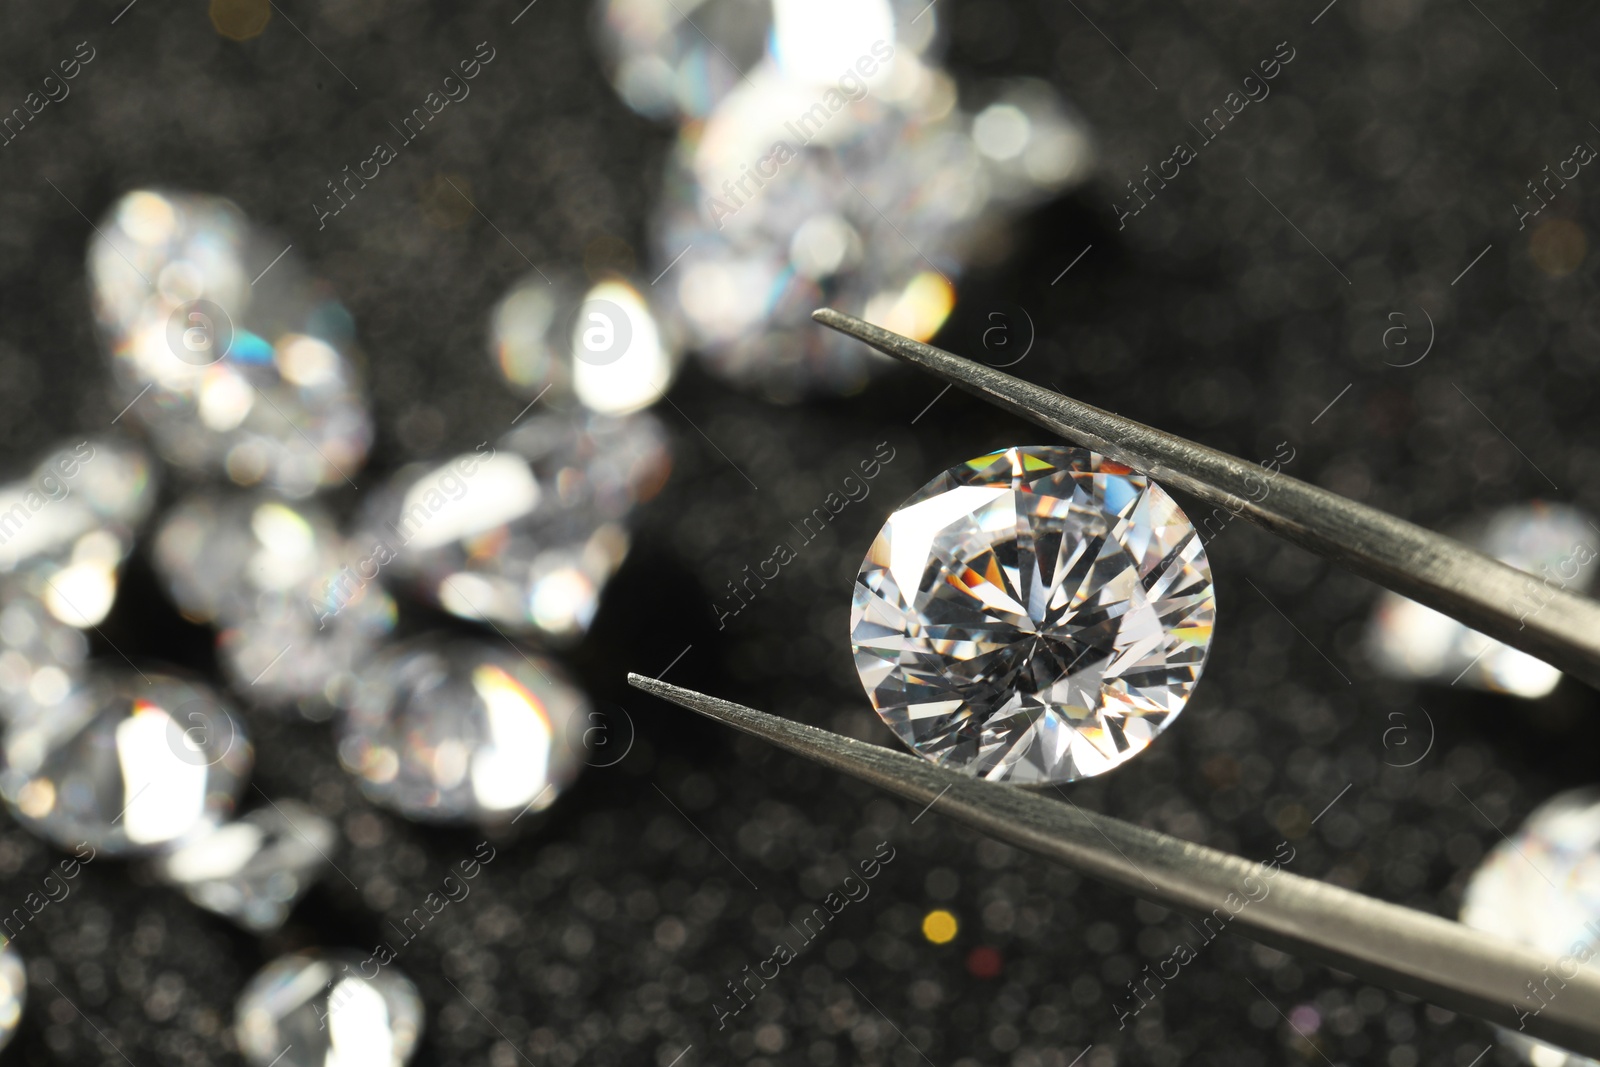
(1254, 290)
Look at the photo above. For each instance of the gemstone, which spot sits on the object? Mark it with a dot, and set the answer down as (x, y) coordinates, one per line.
(1556, 544)
(300, 650)
(218, 552)
(253, 869)
(1541, 888)
(523, 534)
(328, 1009)
(1033, 615)
(601, 345)
(229, 357)
(13, 990)
(128, 763)
(678, 58)
(94, 484)
(462, 731)
(64, 533)
(42, 659)
(295, 608)
(871, 223)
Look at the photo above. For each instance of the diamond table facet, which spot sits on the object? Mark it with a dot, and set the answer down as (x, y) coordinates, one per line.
(1034, 615)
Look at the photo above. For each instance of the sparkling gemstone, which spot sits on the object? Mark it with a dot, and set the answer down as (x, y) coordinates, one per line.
(129, 763)
(13, 990)
(678, 58)
(296, 607)
(64, 532)
(1555, 543)
(462, 731)
(231, 360)
(523, 534)
(328, 1009)
(1541, 888)
(80, 487)
(1036, 615)
(599, 344)
(41, 658)
(301, 649)
(252, 870)
(872, 222)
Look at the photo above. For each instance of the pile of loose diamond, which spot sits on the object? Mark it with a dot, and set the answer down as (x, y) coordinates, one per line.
(243, 376)
(823, 159)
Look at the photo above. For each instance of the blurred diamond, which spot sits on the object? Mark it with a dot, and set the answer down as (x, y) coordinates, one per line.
(1541, 888)
(869, 230)
(601, 344)
(64, 533)
(128, 763)
(218, 552)
(462, 731)
(95, 484)
(1035, 615)
(297, 606)
(301, 648)
(252, 870)
(1554, 543)
(679, 58)
(525, 534)
(328, 1009)
(225, 353)
(13, 990)
(41, 657)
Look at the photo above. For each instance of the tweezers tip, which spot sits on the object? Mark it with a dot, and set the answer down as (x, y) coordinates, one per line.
(684, 698)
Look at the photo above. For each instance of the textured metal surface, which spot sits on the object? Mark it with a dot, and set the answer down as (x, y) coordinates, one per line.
(1441, 961)
(1428, 567)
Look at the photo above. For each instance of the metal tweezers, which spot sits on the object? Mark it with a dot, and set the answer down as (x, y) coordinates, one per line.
(1444, 962)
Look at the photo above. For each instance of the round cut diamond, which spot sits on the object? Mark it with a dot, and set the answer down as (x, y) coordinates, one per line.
(128, 764)
(462, 732)
(523, 536)
(316, 1009)
(1036, 615)
(232, 359)
(1541, 888)
(252, 870)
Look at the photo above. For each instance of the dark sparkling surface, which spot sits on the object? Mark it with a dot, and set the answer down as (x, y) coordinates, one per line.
(1396, 141)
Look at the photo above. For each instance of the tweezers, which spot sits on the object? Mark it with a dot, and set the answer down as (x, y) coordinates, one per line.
(1446, 963)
